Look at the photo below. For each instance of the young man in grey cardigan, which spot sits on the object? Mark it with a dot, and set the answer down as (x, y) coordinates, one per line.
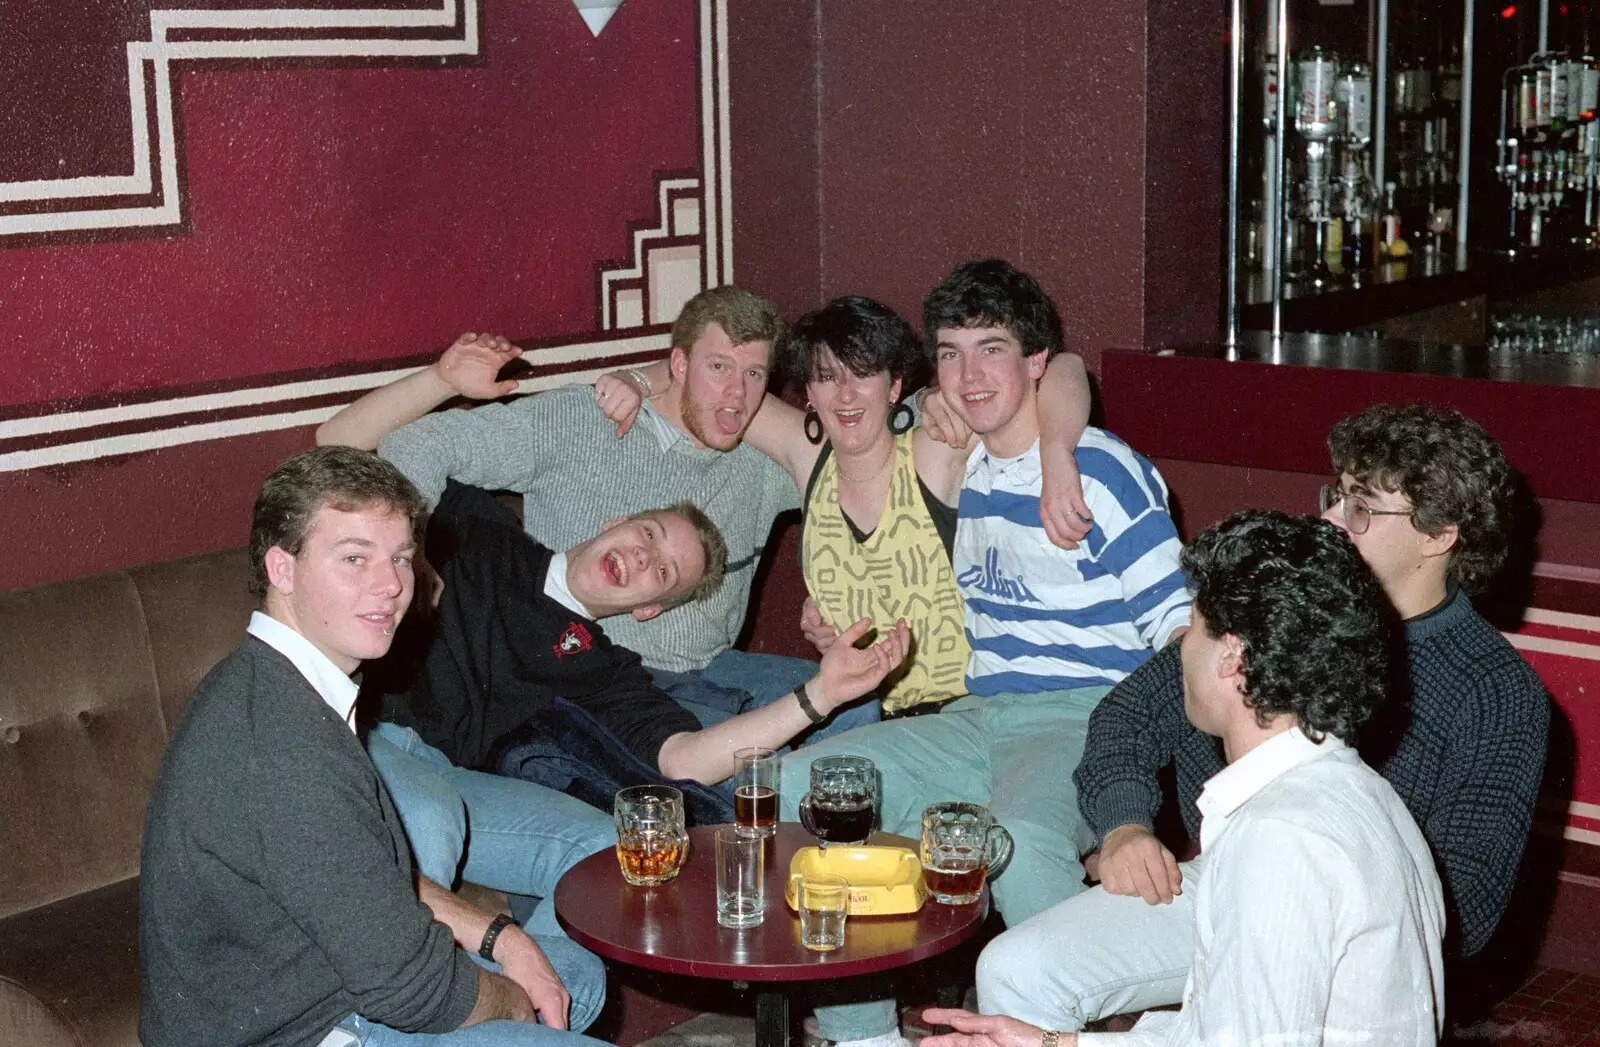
(278, 904)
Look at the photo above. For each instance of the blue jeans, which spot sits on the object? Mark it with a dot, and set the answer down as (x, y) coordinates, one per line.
(498, 1033)
(1013, 753)
(514, 836)
(738, 681)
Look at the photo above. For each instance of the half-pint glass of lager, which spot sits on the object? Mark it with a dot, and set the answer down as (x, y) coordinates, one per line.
(651, 840)
(960, 844)
(840, 806)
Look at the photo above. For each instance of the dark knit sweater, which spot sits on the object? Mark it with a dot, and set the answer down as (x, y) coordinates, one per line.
(275, 891)
(497, 651)
(1465, 752)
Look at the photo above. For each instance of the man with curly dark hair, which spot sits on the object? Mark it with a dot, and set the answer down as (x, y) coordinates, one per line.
(1319, 916)
(1426, 496)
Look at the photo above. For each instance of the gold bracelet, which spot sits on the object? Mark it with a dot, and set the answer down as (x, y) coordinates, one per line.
(1052, 1038)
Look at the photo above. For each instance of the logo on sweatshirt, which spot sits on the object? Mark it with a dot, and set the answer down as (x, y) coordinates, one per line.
(987, 578)
(574, 640)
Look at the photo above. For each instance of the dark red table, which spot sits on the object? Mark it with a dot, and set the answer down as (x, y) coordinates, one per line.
(674, 929)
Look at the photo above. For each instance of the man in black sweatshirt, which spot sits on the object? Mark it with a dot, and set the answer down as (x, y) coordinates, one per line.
(1425, 494)
(278, 903)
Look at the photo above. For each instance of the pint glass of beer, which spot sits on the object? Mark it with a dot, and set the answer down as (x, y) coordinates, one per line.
(755, 792)
(960, 844)
(839, 807)
(651, 840)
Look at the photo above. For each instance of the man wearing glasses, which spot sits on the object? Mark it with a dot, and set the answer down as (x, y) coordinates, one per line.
(1425, 495)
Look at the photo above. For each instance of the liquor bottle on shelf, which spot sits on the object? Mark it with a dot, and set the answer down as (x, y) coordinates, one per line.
(1391, 244)
(1314, 121)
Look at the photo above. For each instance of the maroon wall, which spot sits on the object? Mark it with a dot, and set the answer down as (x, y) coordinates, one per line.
(338, 215)
(1082, 141)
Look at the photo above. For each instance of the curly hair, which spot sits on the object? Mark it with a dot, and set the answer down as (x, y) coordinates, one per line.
(991, 292)
(1447, 466)
(864, 335)
(342, 478)
(1314, 624)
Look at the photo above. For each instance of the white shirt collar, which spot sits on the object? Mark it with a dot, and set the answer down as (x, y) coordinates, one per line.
(336, 688)
(1229, 789)
(665, 432)
(1023, 467)
(555, 586)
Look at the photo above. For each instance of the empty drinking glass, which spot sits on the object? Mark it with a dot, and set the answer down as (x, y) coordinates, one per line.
(741, 878)
(824, 902)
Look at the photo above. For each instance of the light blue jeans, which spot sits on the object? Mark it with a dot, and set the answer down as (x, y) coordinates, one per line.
(501, 833)
(562, 954)
(1092, 956)
(1012, 753)
(737, 681)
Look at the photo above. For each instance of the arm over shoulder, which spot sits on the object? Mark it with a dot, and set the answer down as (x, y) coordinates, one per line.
(498, 446)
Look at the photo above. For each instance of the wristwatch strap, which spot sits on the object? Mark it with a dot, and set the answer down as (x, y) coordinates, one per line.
(806, 706)
(492, 935)
(1052, 1037)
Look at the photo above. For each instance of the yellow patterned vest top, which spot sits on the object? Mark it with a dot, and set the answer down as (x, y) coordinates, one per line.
(901, 570)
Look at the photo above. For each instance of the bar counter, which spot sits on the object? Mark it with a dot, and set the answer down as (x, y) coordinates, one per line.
(1269, 405)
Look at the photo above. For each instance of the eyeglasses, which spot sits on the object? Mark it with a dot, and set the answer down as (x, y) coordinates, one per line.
(1356, 512)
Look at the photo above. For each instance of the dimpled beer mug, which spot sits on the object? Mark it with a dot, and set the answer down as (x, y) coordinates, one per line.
(960, 844)
(839, 807)
(651, 840)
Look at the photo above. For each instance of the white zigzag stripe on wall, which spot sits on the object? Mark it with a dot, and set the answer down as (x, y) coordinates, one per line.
(168, 420)
(159, 53)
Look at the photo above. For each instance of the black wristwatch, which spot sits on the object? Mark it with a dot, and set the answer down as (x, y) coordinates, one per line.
(806, 706)
(492, 935)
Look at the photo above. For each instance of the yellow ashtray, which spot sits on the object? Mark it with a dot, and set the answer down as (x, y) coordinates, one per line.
(883, 880)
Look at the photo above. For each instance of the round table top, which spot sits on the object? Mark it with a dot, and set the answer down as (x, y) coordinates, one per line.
(673, 928)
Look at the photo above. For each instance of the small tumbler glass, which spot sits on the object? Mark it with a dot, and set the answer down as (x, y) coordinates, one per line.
(741, 878)
(824, 903)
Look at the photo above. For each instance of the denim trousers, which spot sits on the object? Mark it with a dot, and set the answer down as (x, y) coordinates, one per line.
(501, 833)
(738, 681)
(1012, 753)
(562, 954)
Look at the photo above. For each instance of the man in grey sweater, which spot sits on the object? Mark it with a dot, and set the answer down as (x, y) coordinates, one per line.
(564, 457)
(278, 904)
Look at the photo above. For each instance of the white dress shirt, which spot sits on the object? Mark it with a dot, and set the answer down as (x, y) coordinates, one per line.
(1318, 916)
(555, 586)
(336, 688)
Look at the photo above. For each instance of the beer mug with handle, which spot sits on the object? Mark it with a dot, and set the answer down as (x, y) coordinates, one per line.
(651, 840)
(840, 806)
(960, 844)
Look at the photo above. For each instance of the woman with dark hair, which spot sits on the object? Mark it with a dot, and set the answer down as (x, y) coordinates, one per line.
(879, 492)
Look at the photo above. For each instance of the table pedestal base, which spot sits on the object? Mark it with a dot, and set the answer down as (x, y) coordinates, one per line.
(772, 1016)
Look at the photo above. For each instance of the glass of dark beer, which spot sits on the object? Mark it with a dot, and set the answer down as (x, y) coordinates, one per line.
(960, 844)
(840, 806)
(755, 792)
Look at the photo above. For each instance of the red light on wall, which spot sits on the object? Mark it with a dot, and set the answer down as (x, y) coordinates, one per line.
(1508, 11)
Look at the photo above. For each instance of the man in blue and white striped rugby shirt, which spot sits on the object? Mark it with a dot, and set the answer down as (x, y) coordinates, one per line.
(1052, 629)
